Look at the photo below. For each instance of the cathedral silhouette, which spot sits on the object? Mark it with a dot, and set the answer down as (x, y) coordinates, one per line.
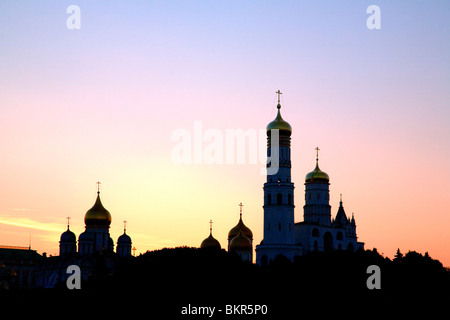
(95, 248)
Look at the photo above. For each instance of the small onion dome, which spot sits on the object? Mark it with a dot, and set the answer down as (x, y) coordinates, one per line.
(317, 175)
(97, 216)
(68, 236)
(240, 243)
(124, 239)
(279, 124)
(210, 242)
(240, 228)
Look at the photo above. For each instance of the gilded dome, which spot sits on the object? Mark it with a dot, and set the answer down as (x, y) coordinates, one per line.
(279, 123)
(240, 243)
(97, 216)
(240, 227)
(317, 175)
(210, 242)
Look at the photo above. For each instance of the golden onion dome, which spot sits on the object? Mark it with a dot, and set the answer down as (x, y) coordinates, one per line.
(240, 243)
(317, 175)
(279, 123)
(240, 227)
(210, 242)
(97, 216)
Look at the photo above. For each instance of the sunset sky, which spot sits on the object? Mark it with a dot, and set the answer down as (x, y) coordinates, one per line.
(102, 103)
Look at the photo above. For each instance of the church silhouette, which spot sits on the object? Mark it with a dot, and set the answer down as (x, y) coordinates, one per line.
(95, 248)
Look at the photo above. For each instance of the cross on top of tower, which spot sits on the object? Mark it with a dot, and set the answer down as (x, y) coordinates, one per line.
(98, 187)
(317, 153)
(279, 94)
(68, 219)
(124, 226)
(210, 226)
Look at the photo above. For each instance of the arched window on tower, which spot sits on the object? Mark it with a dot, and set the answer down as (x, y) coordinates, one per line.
(289, 198)
(269, 199)
(279, 198)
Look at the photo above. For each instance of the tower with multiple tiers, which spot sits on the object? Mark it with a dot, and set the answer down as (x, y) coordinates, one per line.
(279, 234)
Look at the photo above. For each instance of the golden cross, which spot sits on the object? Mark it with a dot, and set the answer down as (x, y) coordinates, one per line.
(317, 153)
(98, 186)
(210, 226)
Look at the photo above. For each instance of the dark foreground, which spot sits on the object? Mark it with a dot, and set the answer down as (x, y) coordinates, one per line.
(190, 283)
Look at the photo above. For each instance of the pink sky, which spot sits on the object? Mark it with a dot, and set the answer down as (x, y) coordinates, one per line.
(101, 103)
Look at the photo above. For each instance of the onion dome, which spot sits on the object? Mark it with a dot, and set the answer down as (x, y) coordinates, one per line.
(317, 175)
(240, 243)
(124, 239)
(240, 227)
(210, 242)
(279, 124)
(97, 216)
(68, 236)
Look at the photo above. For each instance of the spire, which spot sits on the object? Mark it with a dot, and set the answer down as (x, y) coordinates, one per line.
(125, 226)
(240, 210)
(98, 187)
(341, 217)
(210, 227)
(68, 222)
(317, 156)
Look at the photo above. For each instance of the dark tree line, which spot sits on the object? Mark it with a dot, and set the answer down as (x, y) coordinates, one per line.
(170, 278)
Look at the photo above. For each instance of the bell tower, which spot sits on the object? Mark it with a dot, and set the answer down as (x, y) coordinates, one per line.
(279, 236)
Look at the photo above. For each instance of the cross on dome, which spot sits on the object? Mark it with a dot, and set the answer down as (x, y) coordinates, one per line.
(240, 209)
(279, 93)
